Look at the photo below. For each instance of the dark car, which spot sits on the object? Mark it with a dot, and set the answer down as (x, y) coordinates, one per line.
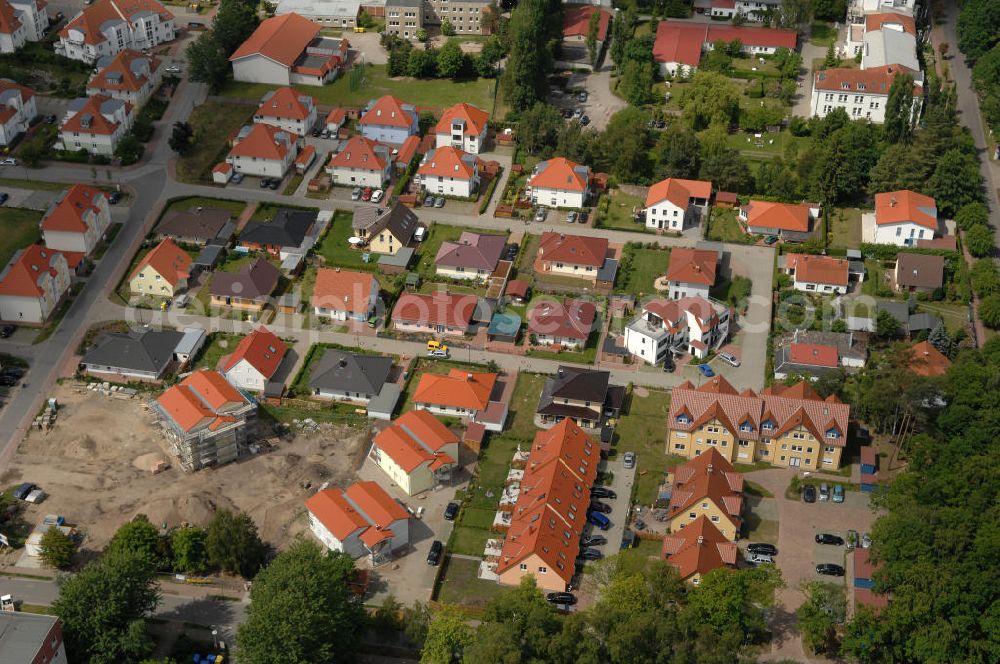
(771, 239)
(668, 365)
(829, 569)
(603, 508)
(50, 119)
(561, 598)
(763, 548)
(13, 372)
(264, 183)
(583, 218)
(591, 554)
(317, 132)
(8, 381)
(567, 113)
(585, 120)
(114, 197)
(451, 511)
(602, 492)
(639, 524)
(273, 184)
(434, 555)
(593, 540)
(3, 197)
(22, 491)
(827, 538)
(809, 493)
(6, 331)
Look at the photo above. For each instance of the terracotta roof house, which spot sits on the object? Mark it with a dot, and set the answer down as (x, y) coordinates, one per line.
(289, 50)
(437, 313)
(675, 204)
(691, 272)
(698, 549)
(517, 290)
(585, 396)
(145, 354)
(689, 325)
(163, 272)
(789, 222)
(416, 451)
(287, 109)
(77, 220)
(457, 393)
(472, 256)
(255, 360)
(18, 109)
(95, 124)
(385, 230)
(32, 285)
(921, 273)
(902, 218)
(568, 323)
(362, 520)
(129, 76)
(290, 231)
(109, 26)
(206, 419)
(344, 295)
(708, 485)
(21, 21)
(197, 225)
(249, 289)
(263, 150)
(361, 162)
(576, 29)
(928, 360)
(862, 93)
(346, 376)
(389, 120)
(462, 126)
(811, 354)
(335, 119)
(816, 274)
(549, 515)
(559, 183)
(449, 171)
(678, 45)
(786, 426)
(580, 256)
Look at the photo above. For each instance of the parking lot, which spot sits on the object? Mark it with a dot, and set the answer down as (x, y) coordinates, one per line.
(621, 484)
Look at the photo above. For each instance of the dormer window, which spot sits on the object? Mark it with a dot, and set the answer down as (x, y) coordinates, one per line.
(683, 419)
(833, 433)
(767, 426)
(746, 427)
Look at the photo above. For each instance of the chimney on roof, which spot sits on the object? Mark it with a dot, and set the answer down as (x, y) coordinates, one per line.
(710, 468)
(701, 540)
(892, 201)
(468, 376)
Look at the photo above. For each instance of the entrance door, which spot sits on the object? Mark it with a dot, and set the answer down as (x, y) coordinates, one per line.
(793, 462)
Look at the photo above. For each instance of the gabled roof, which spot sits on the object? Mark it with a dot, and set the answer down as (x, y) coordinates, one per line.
(873, 80)
(709, 476)
(92, 20)
(474, 119)
(364, 508)
(698, 548)
(262, 349)
(350, 372)
(200, 400)
(288, 228)
(140, 350)
(280, 38)
(254, 281)
(448, 162)
(399, 220)
(573, 249)
(69, 213)
(89, 116)
(204, 223)
(576, 21)
(9, 92)
(447, 309)
(580, 384)
(573, 319)
(682, 42)
(172, 263)
(783, 216)
(360, 153)
(880, 20)
(9, 23)
(343, 290)
(286, 103)
(928, 360)
(389, 111)
(262, 141)
(896, 207)
(127, 71)
(919, 270)
(561, 174)
(692, 266)
(813, 355)
(458, 389)
(337, 115)
(472, 250)
(414, 438)
(22, 275)
(813, 269)
(678, 191)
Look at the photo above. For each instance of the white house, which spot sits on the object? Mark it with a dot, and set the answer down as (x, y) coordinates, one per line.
(263, 150)
(77, 220)
(129, 76)
(693, 325)
(449, 171)
(287, 109)
(691, 272)
(559, 183)
(389, 120)
(901, 218)
(335, 119)
(360, 163)
(344, 295)
(675, 203)
(32, 285)
(17, 110)
(472, 256)
(289, 50)
(816, 274)
(416, 451)
(21, 21)
(109, 26)
(862, 93)
(362, 520)
(255, 360)
(96, 124)
(462, 126)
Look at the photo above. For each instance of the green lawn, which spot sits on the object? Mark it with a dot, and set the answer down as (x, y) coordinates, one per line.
(337, 252)
(437, 234)
(954, 316)
(873, 277)
(823, 34)
(435, 94)
(619, 213)
(645, 266)
(523, 404)
(217, 345)
(845, 228)
(769, 145)
(37, 185)
(213, 123)
(19, 229)
(585, 356)
(724, 227)
(643, 430)
(761, 530)
(460, 585)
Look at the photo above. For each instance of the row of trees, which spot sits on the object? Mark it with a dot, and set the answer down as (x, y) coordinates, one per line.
(447, 62)
(208, 55)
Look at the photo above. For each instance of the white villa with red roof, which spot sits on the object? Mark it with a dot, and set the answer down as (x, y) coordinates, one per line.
(679, 44)
(17, 110)
(816, 274)
(389, 120)
(692, 324)
(462, 126)
(559, 182)
(361, 520)
(344, 295)
(287, 109)
(902, 218)
(254, 361)
(449, 171)
(21, 21)
(96, 124)
(77, 220)
(790, 222)
(580, 256)
(435, 313)
(263, 150)
(109, 26)
(674, 203)
(862, 93)
(361, 162)
(129, 76)
(289, 50)
(691, 272)
(32, 285)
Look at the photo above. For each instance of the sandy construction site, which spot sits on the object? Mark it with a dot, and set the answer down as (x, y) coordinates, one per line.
(95, 462)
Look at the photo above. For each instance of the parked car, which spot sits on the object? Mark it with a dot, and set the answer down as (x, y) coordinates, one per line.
(567, 113)
(561, 598)
(824, 492)
(829, 569)
(366, 194)
(809, 493)
(639, 524)
(114, 197)
(577, 113)
(428, 201)
(668, 364)
(771, 239)
(602, 492)
(22, 491)
(762, 548)
(593, 540)
(591, 554)
(838, 493)
(866, 541)
(4, 197)
(629, 460)
(571, 217)
(317, 133)
(8, 381)
(50, 119)
(706, 370)
(439, 202)
(434, 555)
(273, 184)
(599, 520)
(173, 69)
(598, 506)
(758, 558)
(9, 161)
(451, 511)
(581, 96)
(377, 195)
(510, 251)
(729, 358)
(585, 120)
(582, 218)
(264, 183)
(827, 538)
(6, 331)
(356, 194)
(853, 539)
(237, 178)
(540, 214)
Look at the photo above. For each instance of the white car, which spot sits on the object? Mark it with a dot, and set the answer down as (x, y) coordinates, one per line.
(9, 161)
(377, 195)
(173, 69)
(759, 558)
(729, 358)
(540, 214)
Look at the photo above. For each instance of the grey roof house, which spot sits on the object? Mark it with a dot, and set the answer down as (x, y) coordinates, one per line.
(345, 376)
(918, 273)
(583, 395)
(287, 232)
(197, 225)
(399, 220)
(142, 355)
(247, 289)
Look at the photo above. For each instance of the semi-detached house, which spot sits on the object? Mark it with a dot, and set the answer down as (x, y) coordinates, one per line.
(21, 21)
(416, 451)
(709, 486)
(287, 109)
(289, 50)
(32, 285)
(129, 76)
(109, 26)
(361, 520)
(17, 110)
(674, 204)
(360, 163)
(77, 220)
(96, 124)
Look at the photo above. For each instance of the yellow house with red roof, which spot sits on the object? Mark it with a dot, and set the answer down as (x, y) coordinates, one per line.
(163, 272)
(416, 451)
(708, 486)
(698, 549)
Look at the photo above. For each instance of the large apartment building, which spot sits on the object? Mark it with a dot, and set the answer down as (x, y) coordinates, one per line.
(862, 93)
(405, 17)
(109, 26)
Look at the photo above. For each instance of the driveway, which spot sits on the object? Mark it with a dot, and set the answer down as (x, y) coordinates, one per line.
(802, 102)
(368, 47)
(601, 103)
(621, 484)
(29, 198)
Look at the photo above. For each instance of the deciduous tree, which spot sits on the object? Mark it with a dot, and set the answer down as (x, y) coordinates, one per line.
(190, 551)
(57, 548)
(979, 240)
(233, 544)
(956, 181)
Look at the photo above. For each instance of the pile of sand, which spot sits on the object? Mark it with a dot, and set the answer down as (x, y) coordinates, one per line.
(150, 462)
(196, 509)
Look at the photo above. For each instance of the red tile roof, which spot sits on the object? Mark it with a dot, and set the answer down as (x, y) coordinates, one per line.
(99, 125)
(451, 310)
(25, 269)
(448, 162)
(407, 150)
(358, 153)
(127, 79)
(517, 288)
(928, 360)
(813, 355)
(573, 249)
(709, 476)
(414, 438)
(813, 269)
(576, 21)
(561, 174)
(878, 21)
(678, 191)
(343, 290)
(9, 23)
(69, 212)
(27, 93)
(752, 36)
(894, 207)
(457, 389)
(90, 21)
(682, 42)
(263, 141)
(864, 568)
(336, 116)
(363, 506)
(262, 349)
(475, 119)
(698, 548)
(874, 80)
(305, 156)
(389, 111)
(199, 399)
(287, 104)
(783, 216)
(573, 319)
(280, 38)
(867, 597)
(171, 262)
(693, 266)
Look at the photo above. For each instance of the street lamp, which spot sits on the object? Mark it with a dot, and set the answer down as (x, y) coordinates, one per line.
(215, 638)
